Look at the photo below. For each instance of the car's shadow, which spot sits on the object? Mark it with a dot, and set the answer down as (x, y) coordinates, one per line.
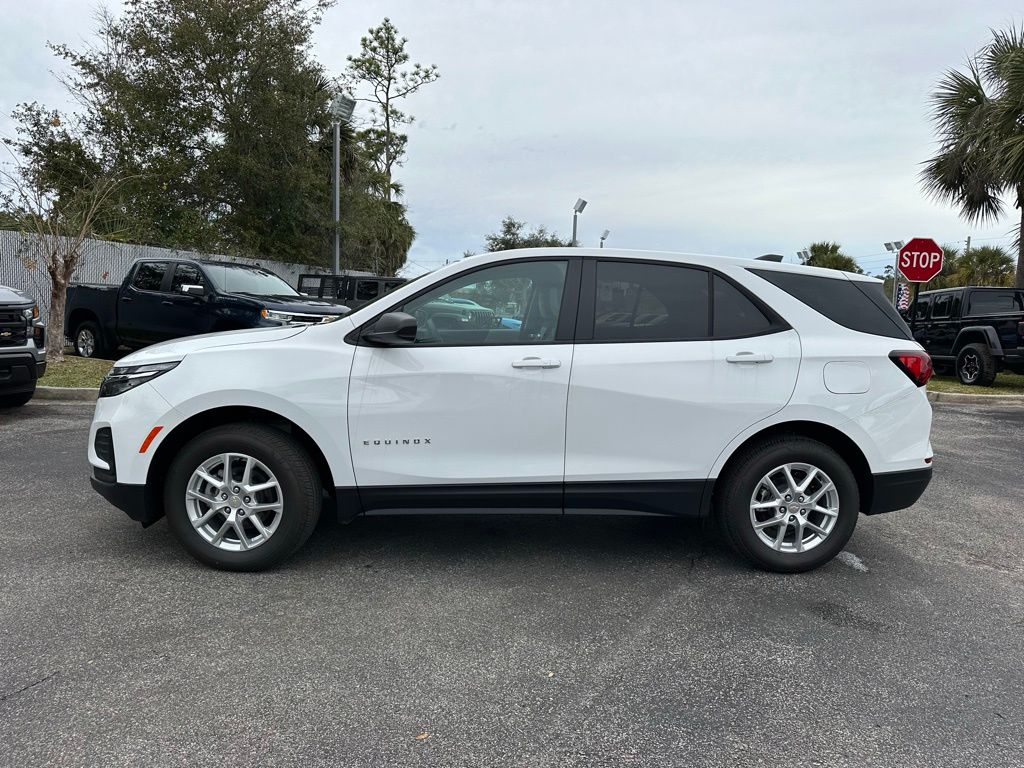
(494, 539)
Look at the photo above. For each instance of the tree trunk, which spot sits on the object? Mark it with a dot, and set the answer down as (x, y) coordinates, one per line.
(55, 329)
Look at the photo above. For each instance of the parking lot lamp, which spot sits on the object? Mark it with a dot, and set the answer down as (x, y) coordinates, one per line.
(894, 248)
(604, 236)
(341, 110)
(576, 211)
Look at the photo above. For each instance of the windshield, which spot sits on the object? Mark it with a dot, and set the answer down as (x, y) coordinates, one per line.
(231, 278)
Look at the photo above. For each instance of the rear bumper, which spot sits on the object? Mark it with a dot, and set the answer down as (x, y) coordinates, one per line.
(130, 499)
(897, 490)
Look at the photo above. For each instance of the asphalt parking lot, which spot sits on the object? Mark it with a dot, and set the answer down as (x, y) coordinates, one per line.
(512, 641)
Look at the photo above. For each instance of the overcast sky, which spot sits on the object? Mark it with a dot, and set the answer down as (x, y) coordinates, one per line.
(729, 127)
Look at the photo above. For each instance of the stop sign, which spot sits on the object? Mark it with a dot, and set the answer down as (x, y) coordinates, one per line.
(920, 260)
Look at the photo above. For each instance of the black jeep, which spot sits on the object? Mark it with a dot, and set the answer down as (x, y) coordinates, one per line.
(977, 331)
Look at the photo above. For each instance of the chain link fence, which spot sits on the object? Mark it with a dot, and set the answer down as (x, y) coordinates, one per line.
(22, 266)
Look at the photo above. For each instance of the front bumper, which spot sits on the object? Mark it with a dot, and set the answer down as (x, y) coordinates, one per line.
(897, 490)
(130, 499)
(18, 372)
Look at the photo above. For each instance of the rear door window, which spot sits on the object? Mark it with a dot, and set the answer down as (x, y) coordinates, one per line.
(149, 276)
(940, 308)
(854, 304)
(650, 302)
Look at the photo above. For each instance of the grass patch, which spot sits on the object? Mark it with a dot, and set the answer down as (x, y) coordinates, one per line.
(75, 372)
(1006, 384)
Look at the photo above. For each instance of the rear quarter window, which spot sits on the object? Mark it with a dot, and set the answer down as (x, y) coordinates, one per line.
(853, 304)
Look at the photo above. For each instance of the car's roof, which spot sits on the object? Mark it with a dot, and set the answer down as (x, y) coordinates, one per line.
(702, 259)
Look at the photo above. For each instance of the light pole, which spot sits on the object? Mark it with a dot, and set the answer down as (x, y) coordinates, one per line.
(341, 110)
(576, 211)
(604, 236)
(894, 247)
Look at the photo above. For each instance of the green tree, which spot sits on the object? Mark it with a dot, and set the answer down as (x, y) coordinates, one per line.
(217, 114)
(380, 68)
(987, 265)
(979, 117)
(830, 256)
(514, 234)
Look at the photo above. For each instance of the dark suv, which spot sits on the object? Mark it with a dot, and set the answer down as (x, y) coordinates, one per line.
(22, 347)
(977, 331)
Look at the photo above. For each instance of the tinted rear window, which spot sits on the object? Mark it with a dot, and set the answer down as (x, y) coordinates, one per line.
(994, 302)
(853, 304)
(650, 302)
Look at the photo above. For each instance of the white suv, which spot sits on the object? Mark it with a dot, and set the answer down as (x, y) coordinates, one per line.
(783, 400)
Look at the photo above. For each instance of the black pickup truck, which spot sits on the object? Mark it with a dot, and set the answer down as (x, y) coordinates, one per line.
(976, 331)
(164, 299)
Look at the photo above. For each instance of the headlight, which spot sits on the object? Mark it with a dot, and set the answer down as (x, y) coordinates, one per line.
(32, 314)
(122, 378)
(281, 317)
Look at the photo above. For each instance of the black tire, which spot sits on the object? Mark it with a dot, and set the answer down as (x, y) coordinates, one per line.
(15, 401)
(282, 455)
(736, 488)
(975, 366)
(82, 348)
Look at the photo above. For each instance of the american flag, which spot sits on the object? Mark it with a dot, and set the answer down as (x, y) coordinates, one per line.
(902, 297)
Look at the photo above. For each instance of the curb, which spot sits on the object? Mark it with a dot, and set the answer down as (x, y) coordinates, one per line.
(67, 394)
(965, 399)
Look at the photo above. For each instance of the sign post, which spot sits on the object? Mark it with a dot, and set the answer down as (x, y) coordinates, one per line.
(919, 261)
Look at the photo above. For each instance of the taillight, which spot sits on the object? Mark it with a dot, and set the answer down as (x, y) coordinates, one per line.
(1020, 330)
(916, 364)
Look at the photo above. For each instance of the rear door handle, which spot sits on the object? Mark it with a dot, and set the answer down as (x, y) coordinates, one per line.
(126, 299)
(167, 303)
(536, 362)
(750, 357)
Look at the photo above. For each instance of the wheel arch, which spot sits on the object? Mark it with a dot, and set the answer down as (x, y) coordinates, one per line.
(203, 421)
(829, 435)
(982, 334)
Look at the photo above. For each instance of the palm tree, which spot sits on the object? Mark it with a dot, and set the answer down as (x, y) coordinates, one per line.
(988, 265)
(830, 256)
(979, 116)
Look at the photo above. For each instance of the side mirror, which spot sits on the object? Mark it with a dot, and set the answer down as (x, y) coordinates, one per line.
(394, 329)
(193, 290)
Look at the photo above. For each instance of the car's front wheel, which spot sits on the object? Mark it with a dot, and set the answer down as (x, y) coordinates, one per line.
(788, 504)
(242, 497)
(15, 401)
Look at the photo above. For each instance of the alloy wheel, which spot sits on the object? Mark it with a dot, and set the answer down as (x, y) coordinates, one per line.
(234, 502)
(85, 343)
(794, 507)
(970, 368)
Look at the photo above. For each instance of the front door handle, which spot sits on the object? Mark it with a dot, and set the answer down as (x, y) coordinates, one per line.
(750, 357)
(167, 303)
(536, 362)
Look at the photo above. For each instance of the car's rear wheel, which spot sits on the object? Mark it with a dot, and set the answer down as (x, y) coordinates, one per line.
(88, 341)
(976, 366)
(242, 497)
(788, 504)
